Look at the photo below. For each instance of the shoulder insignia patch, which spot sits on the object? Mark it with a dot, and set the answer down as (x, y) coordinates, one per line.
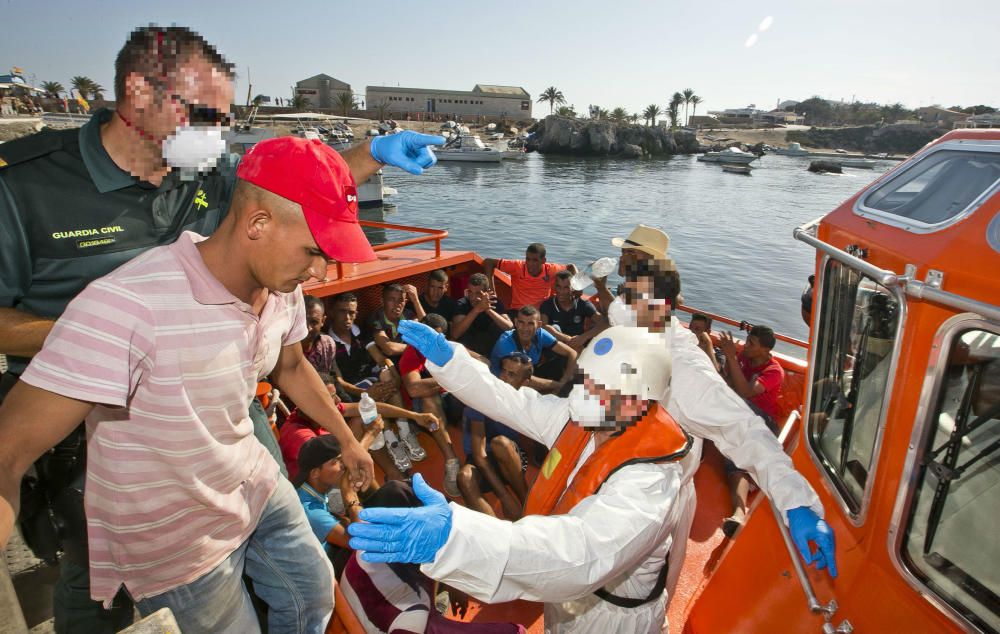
(3, 163)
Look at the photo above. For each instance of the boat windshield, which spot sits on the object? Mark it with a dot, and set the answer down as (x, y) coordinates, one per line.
(943, 185)
(950, 539)
(858, 324)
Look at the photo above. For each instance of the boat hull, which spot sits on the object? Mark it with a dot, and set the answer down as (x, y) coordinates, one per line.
(469, 157)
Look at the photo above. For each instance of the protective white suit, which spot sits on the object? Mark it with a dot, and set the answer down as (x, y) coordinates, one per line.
(706, 407)
(617, 538)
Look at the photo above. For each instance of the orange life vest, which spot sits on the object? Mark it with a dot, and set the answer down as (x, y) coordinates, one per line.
(655, 438)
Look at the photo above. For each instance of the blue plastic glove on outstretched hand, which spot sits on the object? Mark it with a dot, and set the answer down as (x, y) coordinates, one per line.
(406, 150)
(404, 535)
(805, 526)
(427, 341)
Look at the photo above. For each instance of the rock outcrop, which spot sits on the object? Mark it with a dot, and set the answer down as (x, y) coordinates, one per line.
(826, 166)
(586, 137)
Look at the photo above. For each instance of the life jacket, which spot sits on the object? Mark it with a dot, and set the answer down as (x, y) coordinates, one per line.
(655, 438)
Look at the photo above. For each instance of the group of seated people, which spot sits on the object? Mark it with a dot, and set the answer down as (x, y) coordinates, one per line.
(533, 345)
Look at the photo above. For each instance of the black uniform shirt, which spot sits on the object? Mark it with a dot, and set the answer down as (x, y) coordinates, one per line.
(69, 215)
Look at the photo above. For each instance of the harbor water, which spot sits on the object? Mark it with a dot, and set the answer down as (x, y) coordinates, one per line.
(730, 234)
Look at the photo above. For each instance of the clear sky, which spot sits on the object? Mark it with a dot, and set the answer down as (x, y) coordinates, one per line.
(628, 54)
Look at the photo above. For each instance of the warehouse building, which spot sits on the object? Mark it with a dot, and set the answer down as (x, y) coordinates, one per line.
(512, 102)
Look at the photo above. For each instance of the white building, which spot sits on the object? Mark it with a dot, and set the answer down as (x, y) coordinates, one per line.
(512, 102)
(321, 90)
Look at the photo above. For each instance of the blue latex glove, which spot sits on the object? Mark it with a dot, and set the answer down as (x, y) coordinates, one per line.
(407, 150)
(805, 526)
(404, 535)
(427, 341)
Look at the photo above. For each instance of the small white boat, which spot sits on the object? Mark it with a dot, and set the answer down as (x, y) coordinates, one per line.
(468, 148)
(737, 169)
(732, 155)
(858, 163)
(793, 149)
(373, 191)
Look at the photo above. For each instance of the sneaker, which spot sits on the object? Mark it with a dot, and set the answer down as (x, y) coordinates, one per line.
(399, 457)
(412, 446)
(451, 468)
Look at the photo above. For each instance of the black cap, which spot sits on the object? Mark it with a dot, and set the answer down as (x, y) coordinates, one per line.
(314, 453)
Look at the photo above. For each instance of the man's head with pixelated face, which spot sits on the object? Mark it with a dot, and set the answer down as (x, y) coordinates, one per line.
(167, 77)
(651, 288)
(620, 374)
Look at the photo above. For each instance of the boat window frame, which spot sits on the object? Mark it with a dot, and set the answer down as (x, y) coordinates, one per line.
(857, 518)
(930, 394)
(916, 226)
(993, 233)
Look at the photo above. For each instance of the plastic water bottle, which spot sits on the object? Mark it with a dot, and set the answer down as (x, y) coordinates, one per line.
(596, 269)
(369, 413)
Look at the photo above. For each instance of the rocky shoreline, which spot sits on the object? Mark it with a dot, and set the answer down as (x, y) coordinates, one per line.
(586, 137)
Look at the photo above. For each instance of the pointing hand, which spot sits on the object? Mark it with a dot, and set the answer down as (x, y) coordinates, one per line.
(406, 150)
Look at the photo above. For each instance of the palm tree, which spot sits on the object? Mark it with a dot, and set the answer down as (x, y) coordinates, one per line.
(552, 95)
(634, 118)
(566, 111)
(673, 112)
(675, 101)
(98, 91)
(345, 103)
(618, 115)
(83, 85)
(650, 113)
(299, 102)
(695, 100)
(380, 108)
(53, 88)
(688, 94)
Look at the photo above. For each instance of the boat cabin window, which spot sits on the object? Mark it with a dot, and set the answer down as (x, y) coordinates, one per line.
(941, 186)
(857, 330)
(950, 537)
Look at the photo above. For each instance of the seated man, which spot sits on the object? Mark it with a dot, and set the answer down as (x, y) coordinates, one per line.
(299, 429)
(435, 299)
(426, 395)
(567, 317)
(531, 279)
(757, 377)
(480, 317)
(493, 459)
(384, 323)
(358, 366)
(528, 337)
(701, 327)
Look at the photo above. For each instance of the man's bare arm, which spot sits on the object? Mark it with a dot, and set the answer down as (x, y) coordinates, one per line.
(359, 159)
(489, 265)
(387, 346)
(22, 334)
(23, 439)
(418, 387)
(299, 379)
(558, 334)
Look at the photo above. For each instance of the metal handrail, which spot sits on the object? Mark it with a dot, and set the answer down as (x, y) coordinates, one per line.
(431, 235)
(726, 320)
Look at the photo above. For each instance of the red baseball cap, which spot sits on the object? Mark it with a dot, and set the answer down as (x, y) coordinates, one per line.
(314, 175)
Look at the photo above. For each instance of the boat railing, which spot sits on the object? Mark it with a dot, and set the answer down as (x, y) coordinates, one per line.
(732, 322)
(428, 235)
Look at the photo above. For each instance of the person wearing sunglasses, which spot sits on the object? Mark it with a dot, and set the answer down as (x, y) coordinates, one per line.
(76, 204)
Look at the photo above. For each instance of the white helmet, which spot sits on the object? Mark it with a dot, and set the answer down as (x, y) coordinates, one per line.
(633, 361)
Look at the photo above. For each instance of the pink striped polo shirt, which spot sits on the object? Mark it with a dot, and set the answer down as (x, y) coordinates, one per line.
(176, 480)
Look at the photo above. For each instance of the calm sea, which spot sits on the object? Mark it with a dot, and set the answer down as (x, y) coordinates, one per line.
(731, 235)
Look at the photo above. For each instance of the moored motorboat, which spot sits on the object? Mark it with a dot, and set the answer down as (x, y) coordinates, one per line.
(731, 155)
(738, 169)
(858, 163)
(468, 148)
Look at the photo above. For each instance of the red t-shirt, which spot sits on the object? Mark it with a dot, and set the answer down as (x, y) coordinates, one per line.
(526, 288)
(297, 431)
(771, 375)
(411, 360)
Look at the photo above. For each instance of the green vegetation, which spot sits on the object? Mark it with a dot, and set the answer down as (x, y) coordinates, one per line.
(87, 87)
(619, 115)
(650, 113)
(53, 88)
(299, 102)
(345, 103)
(821, 112)
(566, 111)
(552, 95)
